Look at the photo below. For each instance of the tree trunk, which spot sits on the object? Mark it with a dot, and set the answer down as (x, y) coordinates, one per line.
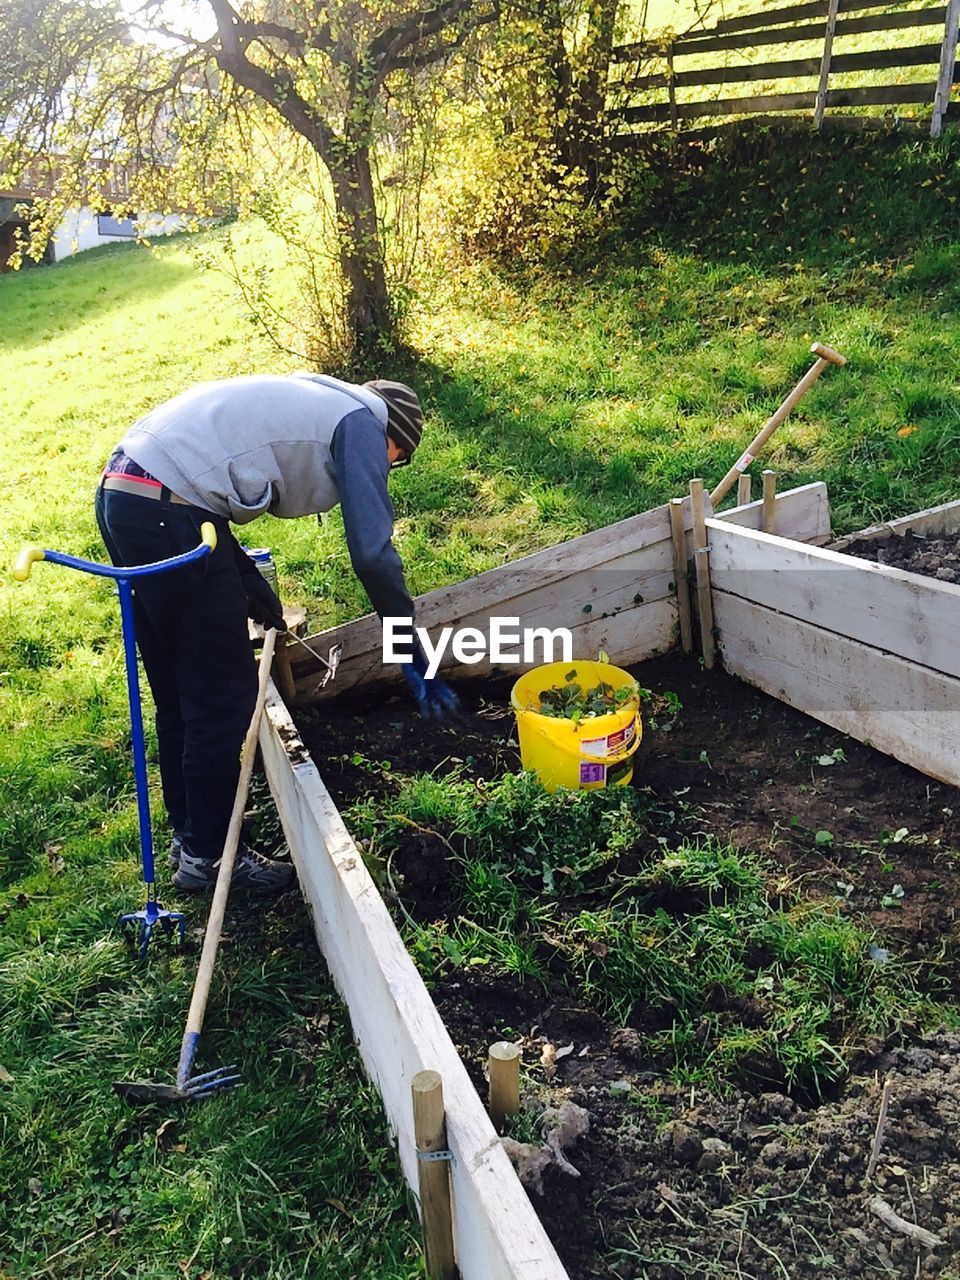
(578, 85)
(369, 313)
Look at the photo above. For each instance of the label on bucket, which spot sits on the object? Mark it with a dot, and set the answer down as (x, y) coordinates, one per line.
(593, 747)
(592, 773)
(621, 738)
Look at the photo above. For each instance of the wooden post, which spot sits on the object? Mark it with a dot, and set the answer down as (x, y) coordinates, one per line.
(769, 522)
(744, 490)
(948, 58)
(671, 88)
(821, 98)
(701, 555)
(283, 672)
(503, 1069)
(430, 1132)
(680, 574)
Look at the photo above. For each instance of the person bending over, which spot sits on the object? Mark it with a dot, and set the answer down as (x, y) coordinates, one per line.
(228, 451)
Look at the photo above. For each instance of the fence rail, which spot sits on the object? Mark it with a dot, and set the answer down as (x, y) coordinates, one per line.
(41, 177)
(786, 26)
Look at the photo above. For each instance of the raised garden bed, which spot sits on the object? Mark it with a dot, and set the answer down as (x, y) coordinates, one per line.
(731, 1114)
(695, 1114)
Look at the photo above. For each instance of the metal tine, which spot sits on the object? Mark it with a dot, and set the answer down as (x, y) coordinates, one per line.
(210, 1075)
(212, 1086)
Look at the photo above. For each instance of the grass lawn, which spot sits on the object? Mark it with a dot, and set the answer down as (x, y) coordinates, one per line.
(558, 401)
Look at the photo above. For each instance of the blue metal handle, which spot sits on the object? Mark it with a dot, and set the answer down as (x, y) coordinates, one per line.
(30, 555)
(122, 575)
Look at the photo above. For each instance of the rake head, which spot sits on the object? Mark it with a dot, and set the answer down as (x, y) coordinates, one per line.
(193, 1090)
(141, 924)
(332, 662)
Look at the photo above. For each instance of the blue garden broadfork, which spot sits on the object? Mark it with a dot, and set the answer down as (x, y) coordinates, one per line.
(153, 914)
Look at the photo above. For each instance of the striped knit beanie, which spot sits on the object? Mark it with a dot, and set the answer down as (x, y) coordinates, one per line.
(404, 415)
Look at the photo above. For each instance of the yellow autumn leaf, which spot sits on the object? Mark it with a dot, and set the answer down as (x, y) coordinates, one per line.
(906, 431)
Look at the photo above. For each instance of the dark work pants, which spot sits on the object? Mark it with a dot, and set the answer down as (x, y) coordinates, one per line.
(191, 629)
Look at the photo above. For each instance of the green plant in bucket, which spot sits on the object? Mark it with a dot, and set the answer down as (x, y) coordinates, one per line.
(571, 701)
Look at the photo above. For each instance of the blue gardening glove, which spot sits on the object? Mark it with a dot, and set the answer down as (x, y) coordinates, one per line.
(435, 700)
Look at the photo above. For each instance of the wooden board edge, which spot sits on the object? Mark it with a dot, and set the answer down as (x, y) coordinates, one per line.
(629, 636)
(396, 1023)
(944, 518)
(804, 511)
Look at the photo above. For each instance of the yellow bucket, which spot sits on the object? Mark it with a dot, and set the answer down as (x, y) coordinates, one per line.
(595, 753)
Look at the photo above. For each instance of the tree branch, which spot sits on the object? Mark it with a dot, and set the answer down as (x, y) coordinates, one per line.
(277, 90)
(419, 26)
(443, 48)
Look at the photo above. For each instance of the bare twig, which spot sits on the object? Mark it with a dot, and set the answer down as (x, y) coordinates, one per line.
(671, 1199)
(880, 1209)
(881, 1123)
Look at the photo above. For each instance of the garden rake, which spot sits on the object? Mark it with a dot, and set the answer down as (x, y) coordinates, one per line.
(153, 914)
(190, 1088)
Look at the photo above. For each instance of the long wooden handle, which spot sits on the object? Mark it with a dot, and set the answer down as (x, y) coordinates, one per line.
(218, 907)
(825, 356)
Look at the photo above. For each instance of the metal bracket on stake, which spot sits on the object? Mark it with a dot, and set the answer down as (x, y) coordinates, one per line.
(429, 1156)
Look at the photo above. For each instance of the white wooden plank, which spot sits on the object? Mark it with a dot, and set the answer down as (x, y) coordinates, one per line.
(627, 630)
(605, 569)
(915, 617)
(397, 1027)
(931, 522)
(910, 712)
(947, 72)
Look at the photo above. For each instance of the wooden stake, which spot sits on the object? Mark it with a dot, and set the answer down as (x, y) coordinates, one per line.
(769, 522)
(430, 1132)
(825, 357)
(744, 490)
(681, 573)
(701, 555)
(283, 672)
(948, 57)
(672, 88)
(821, 99)
(503, 1069)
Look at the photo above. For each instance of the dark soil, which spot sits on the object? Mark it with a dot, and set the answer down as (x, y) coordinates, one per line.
(754, 1184)
(935, 557)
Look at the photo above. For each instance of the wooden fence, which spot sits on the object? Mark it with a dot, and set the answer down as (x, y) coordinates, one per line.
(818, 20)
(111, 185)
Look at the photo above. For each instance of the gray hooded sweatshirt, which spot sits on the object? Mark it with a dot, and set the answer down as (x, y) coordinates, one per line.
(291, 444)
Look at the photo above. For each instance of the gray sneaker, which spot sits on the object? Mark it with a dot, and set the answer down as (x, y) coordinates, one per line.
(176, 842)
(250, 871)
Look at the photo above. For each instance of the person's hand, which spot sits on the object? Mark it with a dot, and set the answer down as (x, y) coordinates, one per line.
(263, 604)
(434, 698)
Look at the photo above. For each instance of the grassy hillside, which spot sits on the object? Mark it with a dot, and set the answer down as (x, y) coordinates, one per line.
(291, 1176)
(557, 401)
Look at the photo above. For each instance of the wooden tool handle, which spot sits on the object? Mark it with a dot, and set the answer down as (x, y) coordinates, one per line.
(828, 353)
(211, 938)
(825, 356)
